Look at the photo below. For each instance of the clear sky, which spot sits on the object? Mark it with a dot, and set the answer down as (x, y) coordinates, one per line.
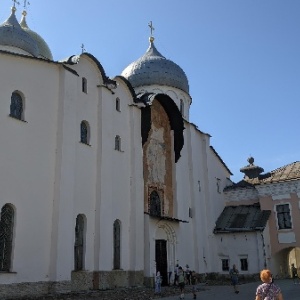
(242, 59)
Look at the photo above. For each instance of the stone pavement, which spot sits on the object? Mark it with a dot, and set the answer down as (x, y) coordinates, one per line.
(289, 290)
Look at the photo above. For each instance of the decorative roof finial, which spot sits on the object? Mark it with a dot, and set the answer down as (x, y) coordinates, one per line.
(15, 2)
(25, 5)
(251, 171)
(82, 48)
(151, 39)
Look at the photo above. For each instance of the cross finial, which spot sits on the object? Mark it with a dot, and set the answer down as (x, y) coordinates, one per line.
(26, 4)
(15, 2)
(82, 48)
(151, 28)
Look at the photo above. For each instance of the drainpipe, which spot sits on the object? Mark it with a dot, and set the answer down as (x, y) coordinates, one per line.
(264, 248)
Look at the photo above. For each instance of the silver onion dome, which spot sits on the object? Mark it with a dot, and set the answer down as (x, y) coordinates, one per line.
(153, 68)
(44, 50)
(11, 34)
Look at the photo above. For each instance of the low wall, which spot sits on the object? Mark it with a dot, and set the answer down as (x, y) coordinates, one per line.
(102, 280)
(80, 281)
(33, 289)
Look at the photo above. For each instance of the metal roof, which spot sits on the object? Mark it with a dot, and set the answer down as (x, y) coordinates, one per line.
(11, 34)
(242, 218)
(154, 68)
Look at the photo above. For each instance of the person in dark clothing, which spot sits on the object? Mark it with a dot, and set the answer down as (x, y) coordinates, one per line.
(234, 276)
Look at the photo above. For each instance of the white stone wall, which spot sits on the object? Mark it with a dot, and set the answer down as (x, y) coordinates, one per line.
(50, 177)
(237, 246)
(28, 163)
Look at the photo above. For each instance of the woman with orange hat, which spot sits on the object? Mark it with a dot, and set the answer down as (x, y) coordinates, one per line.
(268, 290)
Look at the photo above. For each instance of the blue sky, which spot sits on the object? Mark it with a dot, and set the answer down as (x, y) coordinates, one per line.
(241, 58)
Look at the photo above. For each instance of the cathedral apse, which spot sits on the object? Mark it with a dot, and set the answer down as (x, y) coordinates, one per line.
(158, 161)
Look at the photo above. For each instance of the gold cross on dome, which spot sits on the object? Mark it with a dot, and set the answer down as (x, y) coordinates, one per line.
(151, 28)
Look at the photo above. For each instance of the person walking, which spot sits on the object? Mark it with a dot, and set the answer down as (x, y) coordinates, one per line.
(188, 275)
(234, 276)
(181, 282)
(268, 290)
(193, 282)
(295, 274)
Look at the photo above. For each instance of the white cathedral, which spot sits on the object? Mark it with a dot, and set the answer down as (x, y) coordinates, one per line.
(103, 181)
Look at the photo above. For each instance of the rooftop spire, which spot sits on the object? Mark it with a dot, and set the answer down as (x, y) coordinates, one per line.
(151, 39)
(14, 6)
(251, 171)
(24, 13)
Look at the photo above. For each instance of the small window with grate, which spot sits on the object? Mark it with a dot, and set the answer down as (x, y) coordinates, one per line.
(117, 143)
(16, 106)
(84, 133)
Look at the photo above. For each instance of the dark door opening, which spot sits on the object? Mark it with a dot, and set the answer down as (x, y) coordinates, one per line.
(161, 260)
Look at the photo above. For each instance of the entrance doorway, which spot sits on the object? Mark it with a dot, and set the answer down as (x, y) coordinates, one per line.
(161, 260)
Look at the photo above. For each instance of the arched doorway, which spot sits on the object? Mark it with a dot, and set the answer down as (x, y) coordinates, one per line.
(165, 248)
(294, 258)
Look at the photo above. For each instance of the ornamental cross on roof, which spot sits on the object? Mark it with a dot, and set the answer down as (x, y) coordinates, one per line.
(26, 4)
(151, 28)
(15, 2)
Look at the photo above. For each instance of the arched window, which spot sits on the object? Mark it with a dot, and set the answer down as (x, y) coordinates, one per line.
(6, 237)
(118, 107)
(16, 106)
(84, 85)
(181, 106)
(117, 143)
(155, 204)
(79, 244)
(84, 133)
(117, 244)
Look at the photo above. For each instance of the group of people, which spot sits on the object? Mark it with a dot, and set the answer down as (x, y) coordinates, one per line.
(181, 278)
(184, 277)
(268, 290)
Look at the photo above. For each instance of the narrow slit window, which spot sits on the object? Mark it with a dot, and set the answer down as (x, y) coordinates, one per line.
(118, 143)
(118, 108)
(117, 244)
(6, 237)
(84, 133)
(84, 85)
